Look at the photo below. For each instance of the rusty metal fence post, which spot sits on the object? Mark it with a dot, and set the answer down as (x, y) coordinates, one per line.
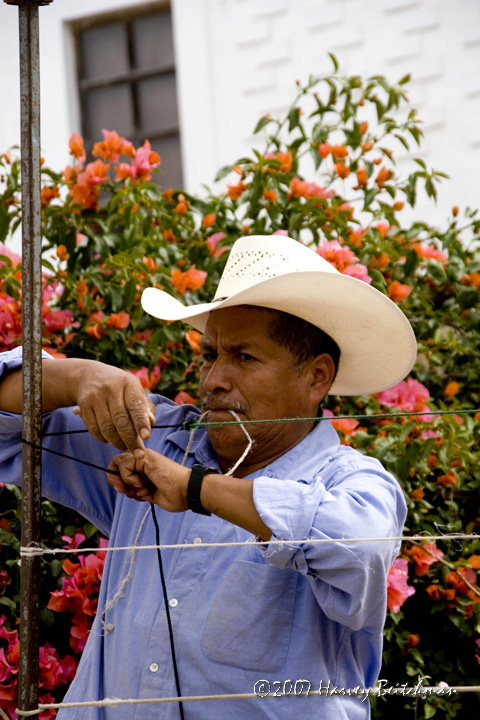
(32, 345)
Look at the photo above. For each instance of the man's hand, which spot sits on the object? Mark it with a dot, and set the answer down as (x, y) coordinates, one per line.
(110, 401)
(149, 476)
(114, 407)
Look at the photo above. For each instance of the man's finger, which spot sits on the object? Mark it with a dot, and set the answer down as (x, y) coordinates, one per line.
(139, 409)
(122, 424)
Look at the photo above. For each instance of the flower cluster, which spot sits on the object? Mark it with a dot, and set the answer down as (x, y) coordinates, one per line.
(79, 593)
(54, 672)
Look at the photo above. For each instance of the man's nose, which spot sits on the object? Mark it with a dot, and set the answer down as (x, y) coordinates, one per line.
(219, 376)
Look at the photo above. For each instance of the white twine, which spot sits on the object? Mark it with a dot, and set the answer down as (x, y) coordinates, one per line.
(421, 692)
(35, 550)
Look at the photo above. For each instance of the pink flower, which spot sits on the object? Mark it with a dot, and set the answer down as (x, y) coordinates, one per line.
(16, 259)
(56, 320)
(281, 232)
(74, 542)
(358, 271)
(212, 243)
(398, 589)
(409, 395)
(345, 425)
(338, 256)
(430, 434)
(141, 168)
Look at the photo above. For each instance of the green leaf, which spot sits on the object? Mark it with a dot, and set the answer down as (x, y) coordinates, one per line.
(261, 124)
(334, 61)
(223, 172)
(129, 293)
(405, 79)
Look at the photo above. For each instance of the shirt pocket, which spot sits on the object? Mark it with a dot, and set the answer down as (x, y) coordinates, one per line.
(250, 622)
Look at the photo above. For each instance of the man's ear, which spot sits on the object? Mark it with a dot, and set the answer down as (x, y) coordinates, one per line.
(323, 373)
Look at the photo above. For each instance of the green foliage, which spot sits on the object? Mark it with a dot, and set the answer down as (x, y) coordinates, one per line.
(104, 248)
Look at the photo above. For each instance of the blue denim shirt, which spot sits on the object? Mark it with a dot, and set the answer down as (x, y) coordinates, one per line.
(239, 614)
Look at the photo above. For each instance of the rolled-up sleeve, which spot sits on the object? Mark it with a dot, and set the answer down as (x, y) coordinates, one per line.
(354, 499)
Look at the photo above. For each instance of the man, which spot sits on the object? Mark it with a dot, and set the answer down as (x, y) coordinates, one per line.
(276, 612)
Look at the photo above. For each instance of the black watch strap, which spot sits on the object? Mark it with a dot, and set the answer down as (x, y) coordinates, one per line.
(195, 486)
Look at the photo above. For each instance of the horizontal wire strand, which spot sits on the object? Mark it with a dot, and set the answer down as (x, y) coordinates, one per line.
(35, 550)
(420, 691)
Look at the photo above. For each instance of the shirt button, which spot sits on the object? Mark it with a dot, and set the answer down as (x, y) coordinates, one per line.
(197, 541)
(154, 667)
(173, 602)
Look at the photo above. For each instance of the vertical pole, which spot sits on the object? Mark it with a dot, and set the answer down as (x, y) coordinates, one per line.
(32, 345)
(32, 348)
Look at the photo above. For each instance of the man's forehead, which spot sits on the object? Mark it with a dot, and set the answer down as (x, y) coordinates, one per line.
(238, 324)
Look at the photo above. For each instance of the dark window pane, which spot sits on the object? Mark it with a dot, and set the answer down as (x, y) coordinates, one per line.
(109, 108)
(153, 41)
(171, 169)
(157, 104)
(104, 51)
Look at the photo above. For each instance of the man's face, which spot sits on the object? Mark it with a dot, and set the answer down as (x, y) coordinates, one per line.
(245, 371)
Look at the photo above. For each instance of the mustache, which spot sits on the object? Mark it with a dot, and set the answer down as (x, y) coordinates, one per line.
(211, 401)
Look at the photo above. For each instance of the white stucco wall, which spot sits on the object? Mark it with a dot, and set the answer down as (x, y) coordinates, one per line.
(237, 59)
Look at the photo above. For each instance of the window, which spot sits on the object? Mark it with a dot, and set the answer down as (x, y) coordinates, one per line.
(126, 78)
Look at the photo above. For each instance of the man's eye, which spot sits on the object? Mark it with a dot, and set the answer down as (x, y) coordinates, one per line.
(246, 357)
(208, 357)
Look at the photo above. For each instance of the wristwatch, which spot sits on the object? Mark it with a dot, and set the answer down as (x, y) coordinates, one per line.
(195, 486)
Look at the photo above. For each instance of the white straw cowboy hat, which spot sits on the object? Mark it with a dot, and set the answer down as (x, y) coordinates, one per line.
(376, 341)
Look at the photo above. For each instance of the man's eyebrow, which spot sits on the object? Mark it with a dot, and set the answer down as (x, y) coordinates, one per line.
(205, 346)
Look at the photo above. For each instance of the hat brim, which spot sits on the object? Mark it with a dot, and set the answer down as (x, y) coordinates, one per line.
(377, 344)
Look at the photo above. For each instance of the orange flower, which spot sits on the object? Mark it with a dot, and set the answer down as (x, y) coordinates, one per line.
(380, 261)
(149, 263)
(383, 176)
(119, 321)
(182, 205)
(451, 389)
(455, 578)
(209, 220)
(235, 191)
(82, 287)
(398, 292)
(362, 177)
(475, 278)
(324, 149)
(424, 559)
(434, 591)
(76, 147)
(367, 146)
(167, 194)
(355, 237)
(183, 398)
(432, 461)
(363, 128)
(449, 479)
(169, 236)
(270, 195)
(341, 169)
(48, 194)
(339, 152)
(398, 205)
(417, 494)
(193, 279)
(413, 640)
(474, 561)
(112, 146)
(62, 252)
(193, 337)
(455, 210)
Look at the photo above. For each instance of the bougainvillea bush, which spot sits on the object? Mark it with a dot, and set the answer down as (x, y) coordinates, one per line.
(326, 175)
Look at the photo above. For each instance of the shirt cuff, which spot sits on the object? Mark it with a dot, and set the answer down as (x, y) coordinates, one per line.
(12, 360)
(288, 508)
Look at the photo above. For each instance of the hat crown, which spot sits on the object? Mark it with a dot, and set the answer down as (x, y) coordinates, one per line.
(260, 257)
